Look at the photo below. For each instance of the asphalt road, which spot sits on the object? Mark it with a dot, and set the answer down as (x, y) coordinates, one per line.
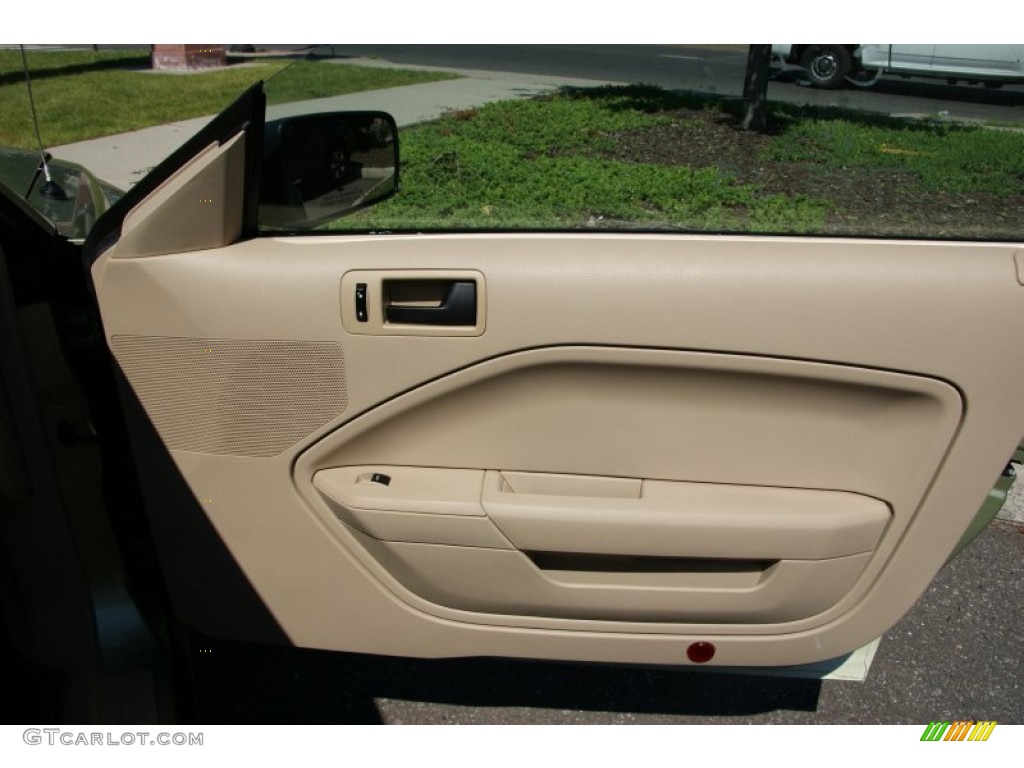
(959, 654)
(717, 69)
(711, 69)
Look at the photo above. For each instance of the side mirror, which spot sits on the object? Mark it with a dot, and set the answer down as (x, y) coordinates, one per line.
(320, 167)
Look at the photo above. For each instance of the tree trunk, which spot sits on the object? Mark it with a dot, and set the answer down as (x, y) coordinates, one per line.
(755, 88)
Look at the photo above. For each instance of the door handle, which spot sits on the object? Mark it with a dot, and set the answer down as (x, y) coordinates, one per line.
(458, 307)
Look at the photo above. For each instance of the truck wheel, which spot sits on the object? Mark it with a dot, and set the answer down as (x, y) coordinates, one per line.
(827, 65)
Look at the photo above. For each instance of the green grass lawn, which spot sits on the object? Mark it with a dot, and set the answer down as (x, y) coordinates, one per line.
(599, 158)
(941, 157)
(83, 94)
(547, 164)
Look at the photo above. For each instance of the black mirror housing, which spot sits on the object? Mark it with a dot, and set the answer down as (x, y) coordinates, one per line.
(320, 167)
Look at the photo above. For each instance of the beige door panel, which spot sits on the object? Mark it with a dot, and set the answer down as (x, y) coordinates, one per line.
(679, 552)
(206, 193)
(509, 582)
(844, 442)
(845, 392)
(691, 520)
(578, 514)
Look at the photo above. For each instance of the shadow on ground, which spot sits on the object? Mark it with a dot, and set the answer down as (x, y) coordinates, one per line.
(654, 99)
(288, 685)
(103, 65)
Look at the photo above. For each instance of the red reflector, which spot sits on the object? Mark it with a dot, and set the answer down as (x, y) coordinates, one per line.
(698, 653)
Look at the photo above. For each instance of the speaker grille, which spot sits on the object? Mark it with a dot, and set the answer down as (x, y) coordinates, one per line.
(225, 396)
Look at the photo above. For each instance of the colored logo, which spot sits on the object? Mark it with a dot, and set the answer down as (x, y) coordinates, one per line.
(959, 730)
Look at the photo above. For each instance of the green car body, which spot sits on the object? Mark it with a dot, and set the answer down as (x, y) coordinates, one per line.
(80, 201)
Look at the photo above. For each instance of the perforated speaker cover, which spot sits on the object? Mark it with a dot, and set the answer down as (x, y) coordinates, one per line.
(226, 396)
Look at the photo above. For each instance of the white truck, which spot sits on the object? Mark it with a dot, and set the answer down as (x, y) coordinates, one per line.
(831, 66)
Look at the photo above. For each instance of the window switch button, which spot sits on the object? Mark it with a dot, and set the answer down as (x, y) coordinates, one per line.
(361, 314)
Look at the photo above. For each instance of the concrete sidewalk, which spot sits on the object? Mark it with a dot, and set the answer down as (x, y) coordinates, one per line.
(124, 158)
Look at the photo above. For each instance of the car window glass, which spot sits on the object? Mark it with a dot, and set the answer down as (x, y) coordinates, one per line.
(918, 141)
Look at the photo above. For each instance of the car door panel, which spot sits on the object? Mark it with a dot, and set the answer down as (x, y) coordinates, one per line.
(478, 580)
(577, 515)
(980, 60)
(770, 444)
(206, 193)
(916, 57)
